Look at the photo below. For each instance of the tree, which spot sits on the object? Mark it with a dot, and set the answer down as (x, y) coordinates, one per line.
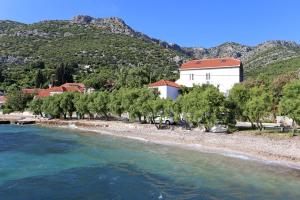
(161, 108)
(38, 65)
(51, 106)
(40, 79)
(258, 105)
(104, 79)
(2, 78)
(99, 104)
(276, 89)
(204, 106)
(81, 102)
(115, 102)
(239, 95)
(290, 102)
(67, 104)
(261, 81)
(142, 105)
(121, 77)
(63, 74)
(35, 106)
(136, 102)
(16, 101)
(135, 77)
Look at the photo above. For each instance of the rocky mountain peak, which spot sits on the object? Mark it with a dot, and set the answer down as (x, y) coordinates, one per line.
(113, 20)
(85, 19)
(82, 19)
(113, 24)
(278, 43)
(227, 49)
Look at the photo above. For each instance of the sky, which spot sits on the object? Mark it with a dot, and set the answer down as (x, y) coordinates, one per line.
(189, 23)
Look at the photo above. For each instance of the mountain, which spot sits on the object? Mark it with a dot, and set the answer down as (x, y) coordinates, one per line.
(97, 43)
(255, 58)
(94, 42)
(54, 30)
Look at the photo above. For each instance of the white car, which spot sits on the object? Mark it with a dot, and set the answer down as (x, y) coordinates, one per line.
(219, 128)
(164, 120)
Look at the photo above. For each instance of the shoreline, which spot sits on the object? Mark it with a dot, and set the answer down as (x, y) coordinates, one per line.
(247, 146)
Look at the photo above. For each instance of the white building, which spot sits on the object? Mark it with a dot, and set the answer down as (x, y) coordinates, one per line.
(166, 89)
(220, 72)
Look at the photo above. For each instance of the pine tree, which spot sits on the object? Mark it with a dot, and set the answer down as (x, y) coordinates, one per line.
(40, 79)
(64, 74)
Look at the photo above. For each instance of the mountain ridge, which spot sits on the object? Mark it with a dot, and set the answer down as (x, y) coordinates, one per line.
(57, 40)
(118, 26)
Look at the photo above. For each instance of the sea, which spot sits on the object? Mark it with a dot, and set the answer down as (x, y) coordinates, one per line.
(38, 163)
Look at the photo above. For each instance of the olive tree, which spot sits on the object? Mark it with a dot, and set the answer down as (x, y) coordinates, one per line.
(99, 103)
(115, 102)
(258, 105)
(81, 102)
(290, 102)
(67, 104)
(16, 101)
(35, 106)
(51, 106)
(204, 106)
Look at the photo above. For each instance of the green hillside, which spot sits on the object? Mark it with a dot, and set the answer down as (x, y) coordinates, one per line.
(275, 69)
(56, 42)
(107, 53)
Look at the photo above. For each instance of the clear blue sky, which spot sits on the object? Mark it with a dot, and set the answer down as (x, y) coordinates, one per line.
(195, 23)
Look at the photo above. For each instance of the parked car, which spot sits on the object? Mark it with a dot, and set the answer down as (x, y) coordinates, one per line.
(164, 120)
(219, 128)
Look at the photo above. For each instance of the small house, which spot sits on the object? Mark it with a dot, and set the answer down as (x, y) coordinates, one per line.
(166, 89)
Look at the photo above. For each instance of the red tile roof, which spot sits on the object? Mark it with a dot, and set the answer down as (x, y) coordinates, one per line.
(73, 89)
(67, 87)
(57, 89)
(31, 91)
(164, 83)
(211, 63)
(80, 86)
(44, 93)
(74, 84)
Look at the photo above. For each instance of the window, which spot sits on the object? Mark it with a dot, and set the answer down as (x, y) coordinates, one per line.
(191, 76)
(207, 76)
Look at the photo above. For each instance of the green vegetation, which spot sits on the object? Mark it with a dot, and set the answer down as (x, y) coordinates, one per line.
(35, 107)
(204, 106)
(119, 66)
(201, 106)
(290, 103)
(259, 100)
(273, 70)
(51, 51)
(258, 105)
(60, 51)
(16, 101)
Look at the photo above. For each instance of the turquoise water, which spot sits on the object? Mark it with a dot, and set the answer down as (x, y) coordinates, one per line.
(43, 163)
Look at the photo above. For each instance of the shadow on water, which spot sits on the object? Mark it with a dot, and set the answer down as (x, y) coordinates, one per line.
(120, 181)
(35, 144)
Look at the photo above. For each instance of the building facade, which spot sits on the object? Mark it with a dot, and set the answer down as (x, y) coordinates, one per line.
(220, 72)
(166, 89)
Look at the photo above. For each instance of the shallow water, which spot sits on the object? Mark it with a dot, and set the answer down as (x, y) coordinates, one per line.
(45, 163)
